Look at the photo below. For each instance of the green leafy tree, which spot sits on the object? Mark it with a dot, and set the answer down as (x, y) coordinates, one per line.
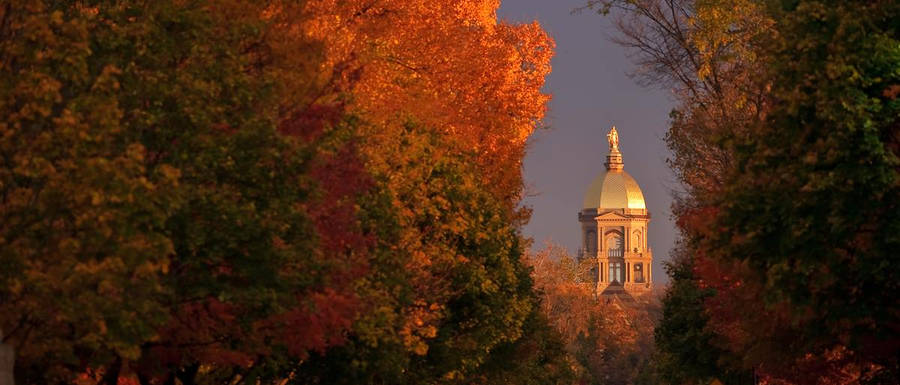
(82, 241)
(790, 172)
(449, 286)
(790, 201)
(811, 209)
(155, 219)
(686, 349)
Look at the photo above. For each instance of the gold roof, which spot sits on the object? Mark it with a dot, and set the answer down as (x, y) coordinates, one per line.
(614, 188)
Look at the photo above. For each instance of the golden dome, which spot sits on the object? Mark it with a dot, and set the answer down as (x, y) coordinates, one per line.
(614, 189)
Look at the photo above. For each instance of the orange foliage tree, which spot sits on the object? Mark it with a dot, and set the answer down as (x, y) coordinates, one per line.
(232, 191)
(448, 65)
(608, 339)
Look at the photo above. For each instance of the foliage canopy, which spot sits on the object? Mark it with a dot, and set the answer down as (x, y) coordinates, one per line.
(219, 191)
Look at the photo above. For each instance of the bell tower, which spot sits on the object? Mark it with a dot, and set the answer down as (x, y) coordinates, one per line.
(614, 221)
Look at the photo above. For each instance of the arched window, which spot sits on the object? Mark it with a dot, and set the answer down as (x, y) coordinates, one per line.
(636, 241)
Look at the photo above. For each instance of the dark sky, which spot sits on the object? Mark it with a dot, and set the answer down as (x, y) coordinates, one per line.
(592, 91)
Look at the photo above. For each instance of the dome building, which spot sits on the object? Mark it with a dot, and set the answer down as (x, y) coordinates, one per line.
(614, 221)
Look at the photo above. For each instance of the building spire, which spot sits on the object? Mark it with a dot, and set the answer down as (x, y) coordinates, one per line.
(614, 159)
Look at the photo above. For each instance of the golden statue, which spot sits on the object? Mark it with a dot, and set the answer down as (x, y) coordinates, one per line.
(613, 138)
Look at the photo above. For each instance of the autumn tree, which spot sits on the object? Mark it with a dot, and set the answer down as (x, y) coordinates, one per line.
(608, 339)
(219, 191)
(154, 217)
(687, 351)
(448, 96)
(810, 211)
(776, 237)
(448, 65)
(450, 289)
(707, 53)
(83, 239)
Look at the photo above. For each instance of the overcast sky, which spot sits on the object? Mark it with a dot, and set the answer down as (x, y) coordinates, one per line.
(591, 92)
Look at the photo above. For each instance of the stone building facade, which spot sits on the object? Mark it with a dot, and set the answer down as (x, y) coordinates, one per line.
(614, 221)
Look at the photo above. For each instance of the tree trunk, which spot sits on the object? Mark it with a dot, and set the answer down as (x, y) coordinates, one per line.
(7, 361)
(111, 377)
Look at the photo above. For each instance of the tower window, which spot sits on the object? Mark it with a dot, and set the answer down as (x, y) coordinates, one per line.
(616, 272)
(615, 247)
(639, 272)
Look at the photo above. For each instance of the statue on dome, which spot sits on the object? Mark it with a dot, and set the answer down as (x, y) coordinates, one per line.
(613, 138)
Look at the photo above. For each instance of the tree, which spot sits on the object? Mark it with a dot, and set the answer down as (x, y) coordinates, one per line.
(776, 233)
(687, 350)
(218, 191)
(449, 286)
(447, 98)
(708, 53)
(153, 214)
(448, 65)
(810, 207)
(608, 340)
(83, 214)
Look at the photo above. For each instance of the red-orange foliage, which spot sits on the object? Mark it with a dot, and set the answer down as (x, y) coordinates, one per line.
(609, 337)
(208, 183)
(444, 64)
